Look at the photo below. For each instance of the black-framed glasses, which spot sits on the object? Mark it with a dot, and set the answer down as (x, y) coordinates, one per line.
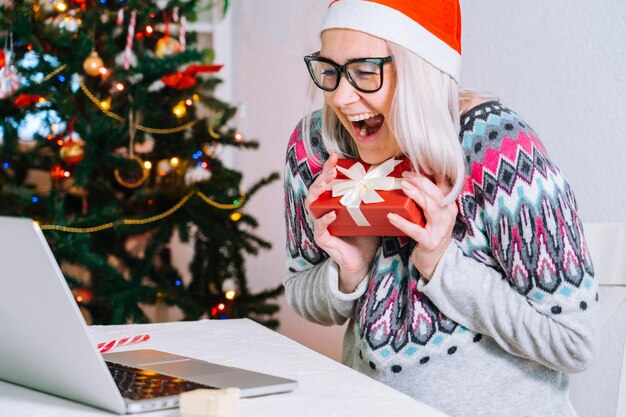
(364, 74)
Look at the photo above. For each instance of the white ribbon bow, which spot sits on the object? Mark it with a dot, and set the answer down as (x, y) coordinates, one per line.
(360, 187)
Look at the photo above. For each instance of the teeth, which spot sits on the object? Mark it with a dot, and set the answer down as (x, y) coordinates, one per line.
(364, 131)
(362, 116)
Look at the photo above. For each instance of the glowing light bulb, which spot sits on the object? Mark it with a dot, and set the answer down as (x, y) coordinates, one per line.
(149, 30)
(105, 104)
(230, 294)
(103, 71)
(196, 97)
(189, 102)
(60, 6)
(221, 306)
(174, 161)
(119, 87)
(238, 137)
(235, 216)
(147, 165)
(179, 110)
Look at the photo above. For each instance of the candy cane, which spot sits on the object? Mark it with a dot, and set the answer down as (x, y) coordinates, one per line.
(120, 17)
(129, 40)
(106, 346)
(181, 33)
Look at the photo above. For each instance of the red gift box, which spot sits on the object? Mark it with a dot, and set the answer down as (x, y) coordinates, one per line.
(379, 180)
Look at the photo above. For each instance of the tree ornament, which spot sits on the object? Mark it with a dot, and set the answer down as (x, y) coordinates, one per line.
(58, 173)
(72, 152)
(128, 50)
(164, 168)
(92, 64)
(25, 100)
(167, 46)
(182, 80)
(133, 175)
(9, 78)
(69, 23)
(2, 58)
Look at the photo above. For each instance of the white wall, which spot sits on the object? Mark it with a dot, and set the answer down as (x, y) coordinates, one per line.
(560, 64)
(270, 37)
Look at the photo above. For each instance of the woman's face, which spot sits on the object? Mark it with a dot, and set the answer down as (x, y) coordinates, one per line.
(364, 115)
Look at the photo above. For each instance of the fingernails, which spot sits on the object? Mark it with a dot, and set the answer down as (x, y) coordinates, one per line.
(392, 217)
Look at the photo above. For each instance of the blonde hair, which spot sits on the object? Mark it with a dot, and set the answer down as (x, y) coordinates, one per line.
(425, 119)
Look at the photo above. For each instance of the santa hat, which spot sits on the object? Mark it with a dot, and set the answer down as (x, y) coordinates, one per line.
(430, 29)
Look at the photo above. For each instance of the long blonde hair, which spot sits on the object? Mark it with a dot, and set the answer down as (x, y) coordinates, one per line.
(425, 119)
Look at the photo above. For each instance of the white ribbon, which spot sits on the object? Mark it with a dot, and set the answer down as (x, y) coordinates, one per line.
(360, 187)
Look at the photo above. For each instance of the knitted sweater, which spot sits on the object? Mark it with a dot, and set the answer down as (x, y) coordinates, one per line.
(511, 307)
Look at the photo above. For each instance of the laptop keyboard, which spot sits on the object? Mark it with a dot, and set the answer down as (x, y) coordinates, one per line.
(139, 384)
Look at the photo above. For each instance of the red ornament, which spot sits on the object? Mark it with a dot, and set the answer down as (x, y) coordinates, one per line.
(58, 173)
(2, 58)
(71, 152)
(184, 79)
(25, 100)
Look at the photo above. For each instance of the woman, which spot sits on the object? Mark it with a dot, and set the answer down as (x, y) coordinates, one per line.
(483, 311)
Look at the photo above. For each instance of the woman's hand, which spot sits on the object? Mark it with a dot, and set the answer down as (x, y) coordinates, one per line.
(353, 254)
(433, 239)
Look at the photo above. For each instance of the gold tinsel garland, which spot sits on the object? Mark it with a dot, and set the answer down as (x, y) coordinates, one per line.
(147, 220)
(157, 217)
(120, 119)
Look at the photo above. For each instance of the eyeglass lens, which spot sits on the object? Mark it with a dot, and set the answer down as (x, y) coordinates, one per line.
(362, 74)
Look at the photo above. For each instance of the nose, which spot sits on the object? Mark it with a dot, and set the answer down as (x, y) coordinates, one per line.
(345, 94)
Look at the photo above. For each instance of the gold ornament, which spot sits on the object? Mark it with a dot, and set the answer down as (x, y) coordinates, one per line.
(71, 152)
(133, 177)
(92, 64)
(167, 46)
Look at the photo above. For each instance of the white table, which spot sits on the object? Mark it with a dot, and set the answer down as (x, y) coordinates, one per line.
(325, 387)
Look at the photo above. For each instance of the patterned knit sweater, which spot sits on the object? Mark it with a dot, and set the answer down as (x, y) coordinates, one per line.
(511, 307)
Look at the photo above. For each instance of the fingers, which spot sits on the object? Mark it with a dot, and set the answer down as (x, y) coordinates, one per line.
(322, 182)
(425, 184)
(320, 227)
(412, 230)
(331, 162)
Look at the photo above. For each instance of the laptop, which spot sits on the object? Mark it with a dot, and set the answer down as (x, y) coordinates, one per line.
(45, 344)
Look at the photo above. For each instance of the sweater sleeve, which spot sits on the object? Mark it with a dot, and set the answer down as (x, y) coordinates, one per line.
(530, 285)
(311, 278)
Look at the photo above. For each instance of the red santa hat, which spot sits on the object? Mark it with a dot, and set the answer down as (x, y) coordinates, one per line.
(430, 29)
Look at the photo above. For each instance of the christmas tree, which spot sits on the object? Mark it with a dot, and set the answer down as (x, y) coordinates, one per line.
(109, 138)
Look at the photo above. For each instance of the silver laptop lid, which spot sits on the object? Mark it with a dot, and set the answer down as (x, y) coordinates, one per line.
(44, 343)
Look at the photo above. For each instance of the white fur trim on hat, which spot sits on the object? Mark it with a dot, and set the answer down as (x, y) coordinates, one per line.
(387, 23)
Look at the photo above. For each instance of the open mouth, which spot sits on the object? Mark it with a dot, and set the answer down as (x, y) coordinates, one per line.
(366, 124)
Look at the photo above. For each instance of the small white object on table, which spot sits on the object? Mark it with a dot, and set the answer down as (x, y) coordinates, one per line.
(325, 388)
(210, 403)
